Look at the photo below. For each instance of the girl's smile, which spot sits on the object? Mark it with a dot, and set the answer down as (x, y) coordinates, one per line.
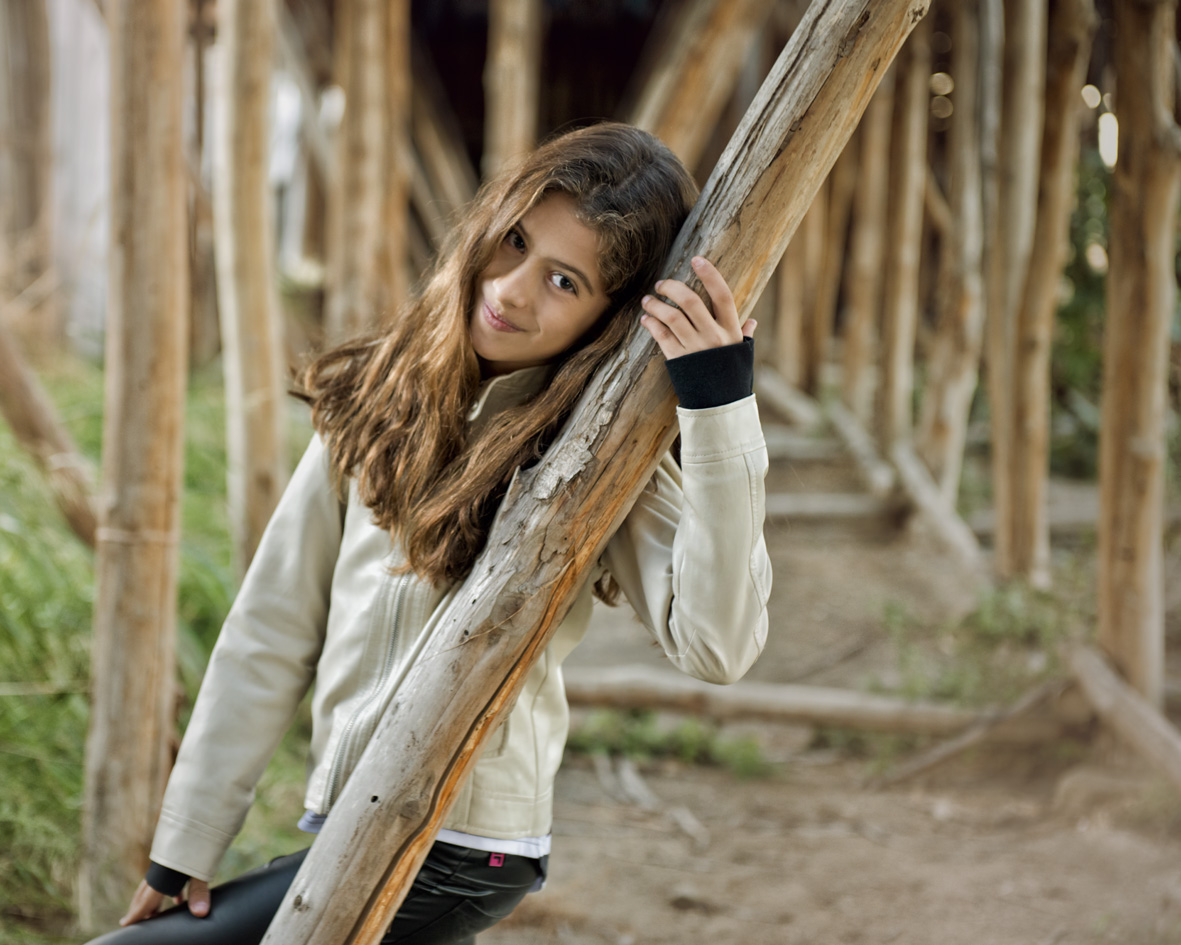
(541, 292)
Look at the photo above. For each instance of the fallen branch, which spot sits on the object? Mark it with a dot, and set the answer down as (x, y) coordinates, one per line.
(828, 505)
(794, 405)
(977, 734)
(1128, 713)
(877, 473)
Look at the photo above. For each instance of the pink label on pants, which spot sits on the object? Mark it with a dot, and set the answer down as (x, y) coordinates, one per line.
(496, 859)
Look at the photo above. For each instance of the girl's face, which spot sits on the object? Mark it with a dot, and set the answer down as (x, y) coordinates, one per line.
(541, 292)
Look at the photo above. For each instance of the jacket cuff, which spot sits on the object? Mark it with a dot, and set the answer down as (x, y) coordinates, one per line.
(719, 433)
(165, 880)
(714, 377)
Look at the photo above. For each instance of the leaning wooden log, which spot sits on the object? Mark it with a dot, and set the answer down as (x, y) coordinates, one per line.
(29, 411)
(512, 75)
(395, 270)
(1141, 299)
(1073, 22)
(643, 687)
(933, 505)
(875, 471)
(558, 516)
(248, 302)
(1128, 713)
(133, 665)
(793, 405)
(698, 50)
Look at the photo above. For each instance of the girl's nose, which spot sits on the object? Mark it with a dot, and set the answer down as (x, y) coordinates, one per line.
(512, 288)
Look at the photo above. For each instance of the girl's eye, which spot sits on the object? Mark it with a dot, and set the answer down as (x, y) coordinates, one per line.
(564, 283)
(515, 240)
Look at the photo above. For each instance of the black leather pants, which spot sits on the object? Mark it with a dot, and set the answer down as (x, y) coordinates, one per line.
(456, 894)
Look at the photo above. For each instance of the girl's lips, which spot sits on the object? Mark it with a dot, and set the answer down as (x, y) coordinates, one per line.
(494, 320)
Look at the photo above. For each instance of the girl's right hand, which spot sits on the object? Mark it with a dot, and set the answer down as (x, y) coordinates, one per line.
(146, 902)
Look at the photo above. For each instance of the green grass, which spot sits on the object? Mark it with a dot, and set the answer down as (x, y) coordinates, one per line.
(46, 596)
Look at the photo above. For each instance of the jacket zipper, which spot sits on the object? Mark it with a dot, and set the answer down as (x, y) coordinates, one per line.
(353, 726)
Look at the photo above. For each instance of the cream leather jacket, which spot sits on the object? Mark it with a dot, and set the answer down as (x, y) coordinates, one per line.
(319, 604)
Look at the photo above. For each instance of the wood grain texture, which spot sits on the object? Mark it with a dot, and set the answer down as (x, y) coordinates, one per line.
(133, 663)
(248, 301)
(558, 516)
(1141, 297)
(1072, 26)
(512, 74)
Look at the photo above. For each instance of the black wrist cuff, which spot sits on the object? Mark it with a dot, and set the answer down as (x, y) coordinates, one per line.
(165, 880)
(714, 377)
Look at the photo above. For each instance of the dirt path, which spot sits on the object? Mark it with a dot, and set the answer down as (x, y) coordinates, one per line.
(1051, 845)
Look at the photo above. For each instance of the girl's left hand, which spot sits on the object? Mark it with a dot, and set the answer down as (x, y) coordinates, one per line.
(687, 325)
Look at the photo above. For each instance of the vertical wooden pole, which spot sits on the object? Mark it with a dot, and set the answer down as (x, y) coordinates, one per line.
(955, 354)
(511, 78)
(252, 346)
(1021, 134)
(355, 197)
(863, 275)
(840, 185)
(1072, 25)
(133, 688)
(904, 235)
(26, 159)
(394, 272)
(1141, 298)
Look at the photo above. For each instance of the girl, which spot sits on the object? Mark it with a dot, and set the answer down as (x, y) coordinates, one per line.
(418, 432)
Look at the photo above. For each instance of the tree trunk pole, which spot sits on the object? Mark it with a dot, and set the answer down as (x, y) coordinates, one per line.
(701, 52)
(26, 160)
(395, 273)
(841, 183)
(1021, 137)
(355, 197)
(557, 517)
(1141, 295)
(34, 421)
(955, 351)
(863, 274)
(511, 77)
(1072, 25)
(904, 235)
(252, 346)
(133, 667)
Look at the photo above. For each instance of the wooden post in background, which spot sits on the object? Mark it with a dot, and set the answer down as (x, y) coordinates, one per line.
(867, 243)
(512, 73)
(252, 346)
(1072, 26)
(26, 164)
(955, 351)
(133, 684)
(840, 185)
(557, 517)
(394, 271)
(904, 235)
(1024, 63)
(1141, 298)
(691, 66)
(355, 194)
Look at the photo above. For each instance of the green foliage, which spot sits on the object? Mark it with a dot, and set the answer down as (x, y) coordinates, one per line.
(638, 734)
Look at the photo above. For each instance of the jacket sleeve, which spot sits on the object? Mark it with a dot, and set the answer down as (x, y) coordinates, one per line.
(260, 668)
(690, 556)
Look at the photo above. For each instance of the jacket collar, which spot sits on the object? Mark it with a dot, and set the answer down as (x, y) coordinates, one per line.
(508, 390)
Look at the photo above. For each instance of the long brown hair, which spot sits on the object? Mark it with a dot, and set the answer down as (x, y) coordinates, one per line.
(392, 406)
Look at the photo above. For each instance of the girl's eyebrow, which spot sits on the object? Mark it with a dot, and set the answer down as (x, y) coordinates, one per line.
(563, 265)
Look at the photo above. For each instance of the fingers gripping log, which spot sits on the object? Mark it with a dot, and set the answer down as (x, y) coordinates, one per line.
(557, 517)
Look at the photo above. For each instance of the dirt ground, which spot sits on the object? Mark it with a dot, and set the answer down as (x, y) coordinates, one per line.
(1055, 844)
